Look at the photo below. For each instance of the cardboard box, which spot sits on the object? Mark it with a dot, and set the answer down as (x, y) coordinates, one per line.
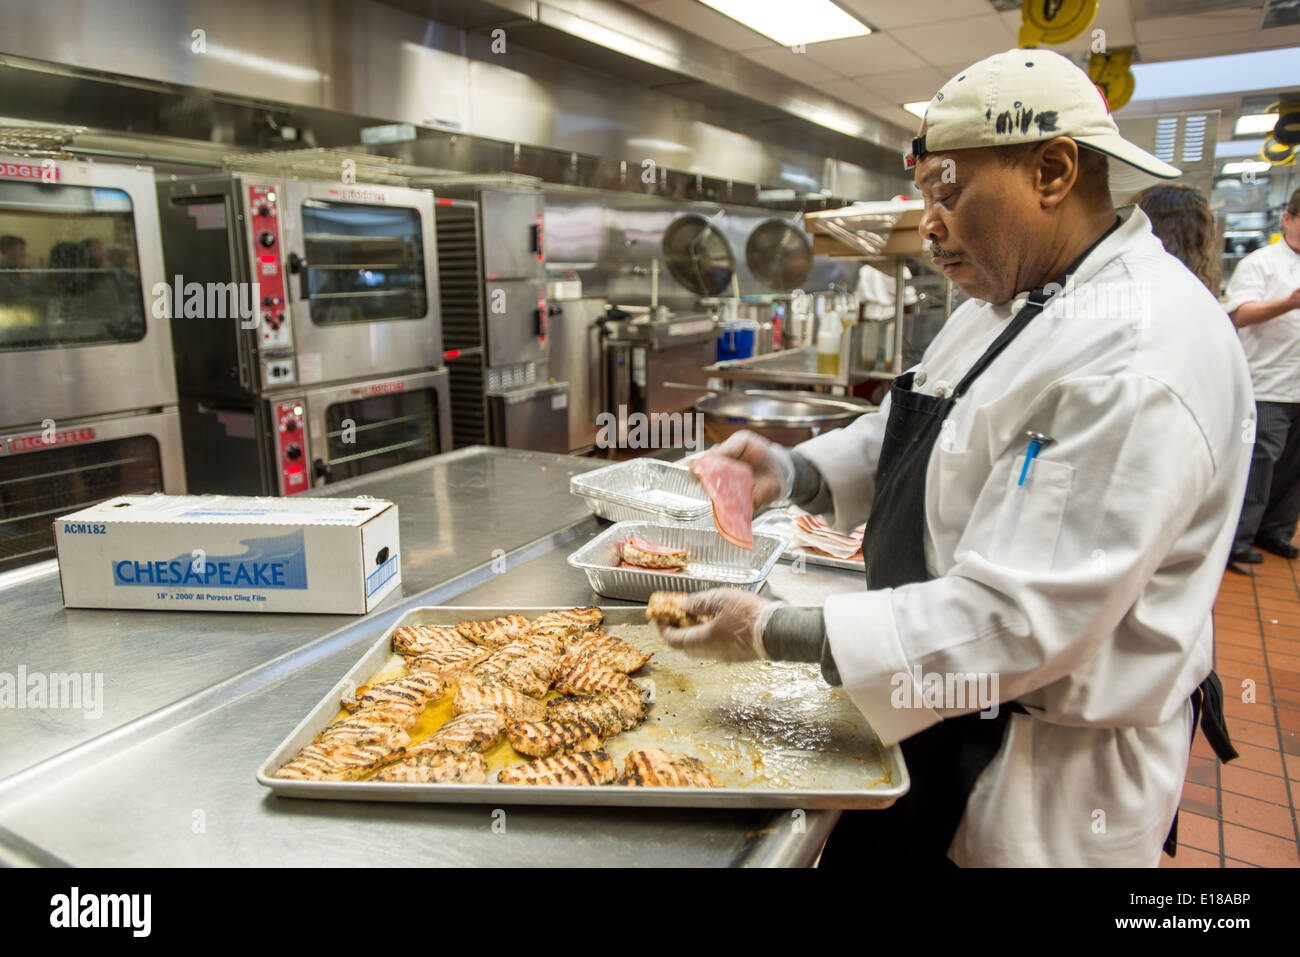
(230, 553)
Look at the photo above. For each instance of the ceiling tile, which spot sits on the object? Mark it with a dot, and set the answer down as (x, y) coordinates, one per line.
(1167, 29)
(854, 94)
(865, 56)
(795, 65)
(893, 14)
(696, 18)
(907, 86)
(1191, 47)
(949, 40)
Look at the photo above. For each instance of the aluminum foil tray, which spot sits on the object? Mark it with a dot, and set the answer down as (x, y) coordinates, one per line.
(775, 734)
(715, 562)
(645, 490)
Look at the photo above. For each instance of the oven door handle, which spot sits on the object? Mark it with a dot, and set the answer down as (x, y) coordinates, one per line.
(298, 266)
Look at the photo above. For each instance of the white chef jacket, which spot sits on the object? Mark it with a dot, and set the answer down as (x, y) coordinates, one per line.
(1272, 347)
(1089, 590)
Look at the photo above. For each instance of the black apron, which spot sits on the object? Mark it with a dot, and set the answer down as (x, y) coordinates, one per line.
(945, 759)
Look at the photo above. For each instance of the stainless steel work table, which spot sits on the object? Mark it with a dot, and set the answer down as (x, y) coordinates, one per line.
(194, 702)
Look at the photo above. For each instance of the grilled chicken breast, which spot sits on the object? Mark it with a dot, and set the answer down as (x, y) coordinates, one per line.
(475, 731)
(581, 767)
(659, 769)
(669, 608)
(422, 639)
(436, 767)
(612, 713)
(495, 632)
(411, 690)
(541, 738)
(520, 665)
(563, 623)
(448, 664)
(337, 761)
(474, 695)
(604, 649)
(586, 677)
(356, 730)
(660, 559)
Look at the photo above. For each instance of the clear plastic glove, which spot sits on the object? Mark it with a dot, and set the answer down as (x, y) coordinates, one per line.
(734, 631)
(773, 467)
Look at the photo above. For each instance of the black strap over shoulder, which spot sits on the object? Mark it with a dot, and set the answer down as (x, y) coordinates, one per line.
(1207, 710)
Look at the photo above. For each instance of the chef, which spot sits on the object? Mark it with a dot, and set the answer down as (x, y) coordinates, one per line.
(1050, 497)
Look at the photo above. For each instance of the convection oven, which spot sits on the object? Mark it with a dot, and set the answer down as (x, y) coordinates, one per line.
(87, 391)
(285, 291)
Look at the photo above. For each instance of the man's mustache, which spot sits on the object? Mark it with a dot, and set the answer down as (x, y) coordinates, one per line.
(938, 252)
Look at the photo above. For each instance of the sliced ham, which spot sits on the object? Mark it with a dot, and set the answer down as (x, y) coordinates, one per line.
(730, 486)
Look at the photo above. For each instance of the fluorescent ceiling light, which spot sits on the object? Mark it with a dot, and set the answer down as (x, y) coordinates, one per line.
(1246, 166)
(1238, 148)
(1249, 123)
(1215, 75)
(917, 108)
(808, 21)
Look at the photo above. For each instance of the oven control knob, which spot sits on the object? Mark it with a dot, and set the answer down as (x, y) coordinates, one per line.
(266, 238)
(291, 426)
(293, 452)
(264, 210)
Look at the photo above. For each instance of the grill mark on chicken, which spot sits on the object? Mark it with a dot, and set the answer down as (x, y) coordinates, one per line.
(561, 624)
(475, 731)
(473, 695)
(620, 711)
(336, 761)
(412, 640)
(411, 690)
(494, 633)
(436, 767)
(581, 767)
(524, 666)
(448, 665)
(540, 739)
(586, 677)
(659, 769)
(604, 649)
(360, 732)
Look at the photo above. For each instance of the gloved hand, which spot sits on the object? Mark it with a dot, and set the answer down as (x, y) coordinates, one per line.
(773, 467)
(734, 631)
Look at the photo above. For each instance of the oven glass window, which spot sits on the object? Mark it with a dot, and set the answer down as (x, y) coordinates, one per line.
(382, 431)
(37, 487)
(364, 263)
(69, 267)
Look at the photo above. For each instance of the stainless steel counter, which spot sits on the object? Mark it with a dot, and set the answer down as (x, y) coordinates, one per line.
(194, 702)
(457, 512)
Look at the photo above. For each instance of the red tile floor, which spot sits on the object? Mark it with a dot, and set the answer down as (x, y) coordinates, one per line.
(1244, 814)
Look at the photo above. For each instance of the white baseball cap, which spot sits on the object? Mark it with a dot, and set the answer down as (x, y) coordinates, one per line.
(1025, 96)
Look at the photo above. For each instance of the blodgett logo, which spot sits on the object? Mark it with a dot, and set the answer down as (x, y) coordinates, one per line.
(103, 910)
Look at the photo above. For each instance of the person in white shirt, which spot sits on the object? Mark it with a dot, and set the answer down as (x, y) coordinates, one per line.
(1264, 303)
(1050, 495)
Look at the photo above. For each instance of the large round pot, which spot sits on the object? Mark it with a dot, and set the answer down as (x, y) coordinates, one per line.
(784, 417)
